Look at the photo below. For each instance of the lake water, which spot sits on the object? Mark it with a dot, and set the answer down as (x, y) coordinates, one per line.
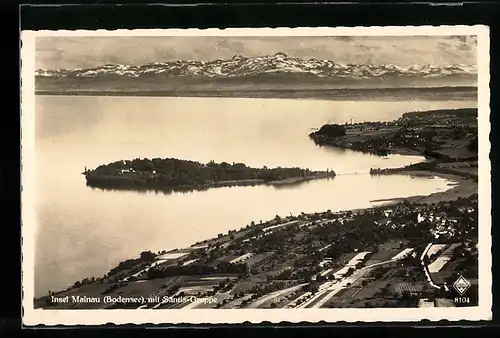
(83, 232)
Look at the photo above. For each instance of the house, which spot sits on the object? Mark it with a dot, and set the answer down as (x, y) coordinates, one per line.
(411, 288)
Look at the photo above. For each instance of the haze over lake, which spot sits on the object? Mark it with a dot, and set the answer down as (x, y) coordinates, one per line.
(77, 132)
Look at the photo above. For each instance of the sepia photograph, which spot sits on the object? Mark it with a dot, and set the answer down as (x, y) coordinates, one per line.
(252, 175)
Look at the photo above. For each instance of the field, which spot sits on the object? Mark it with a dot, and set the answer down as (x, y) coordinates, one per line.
(385, 252)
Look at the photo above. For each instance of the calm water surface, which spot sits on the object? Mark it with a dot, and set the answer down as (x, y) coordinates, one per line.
(83, 232)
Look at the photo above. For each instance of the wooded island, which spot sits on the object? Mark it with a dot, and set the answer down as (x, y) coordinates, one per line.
(172, 174)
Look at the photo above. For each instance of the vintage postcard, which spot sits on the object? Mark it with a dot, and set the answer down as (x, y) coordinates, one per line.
(256, 175)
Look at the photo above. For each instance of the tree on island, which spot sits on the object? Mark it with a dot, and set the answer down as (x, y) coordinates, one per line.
(147, 256)
(332, 130)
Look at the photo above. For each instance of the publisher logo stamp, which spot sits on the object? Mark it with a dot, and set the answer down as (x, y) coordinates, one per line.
(461, 285)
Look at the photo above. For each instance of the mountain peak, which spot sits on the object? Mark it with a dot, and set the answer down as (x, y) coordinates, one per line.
(281, 55)
(278, 64)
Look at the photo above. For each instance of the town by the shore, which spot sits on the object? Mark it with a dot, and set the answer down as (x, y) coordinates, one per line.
(400, 254)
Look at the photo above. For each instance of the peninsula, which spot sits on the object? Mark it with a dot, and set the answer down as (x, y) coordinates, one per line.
(447, 138)
(446, 135)
(172, 174)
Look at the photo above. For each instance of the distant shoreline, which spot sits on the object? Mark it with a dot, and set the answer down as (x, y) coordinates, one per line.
(436, 93)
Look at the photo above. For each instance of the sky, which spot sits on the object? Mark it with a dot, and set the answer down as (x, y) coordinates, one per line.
(88, 52)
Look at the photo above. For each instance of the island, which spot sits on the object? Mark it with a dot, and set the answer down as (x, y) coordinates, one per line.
(172, 174)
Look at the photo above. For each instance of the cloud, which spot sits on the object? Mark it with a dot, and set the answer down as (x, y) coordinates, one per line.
(82, 52)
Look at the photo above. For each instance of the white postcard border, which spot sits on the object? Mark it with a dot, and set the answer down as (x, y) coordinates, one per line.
(33, 316)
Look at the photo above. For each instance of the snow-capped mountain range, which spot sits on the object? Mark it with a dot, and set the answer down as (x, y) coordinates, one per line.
(276, 64)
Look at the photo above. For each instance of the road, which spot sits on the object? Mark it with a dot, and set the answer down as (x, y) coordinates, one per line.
(426, 269)
(356, 275)
(137, 274)
(323, 296)
(236, 303)
(293, 303)
(258, 302)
